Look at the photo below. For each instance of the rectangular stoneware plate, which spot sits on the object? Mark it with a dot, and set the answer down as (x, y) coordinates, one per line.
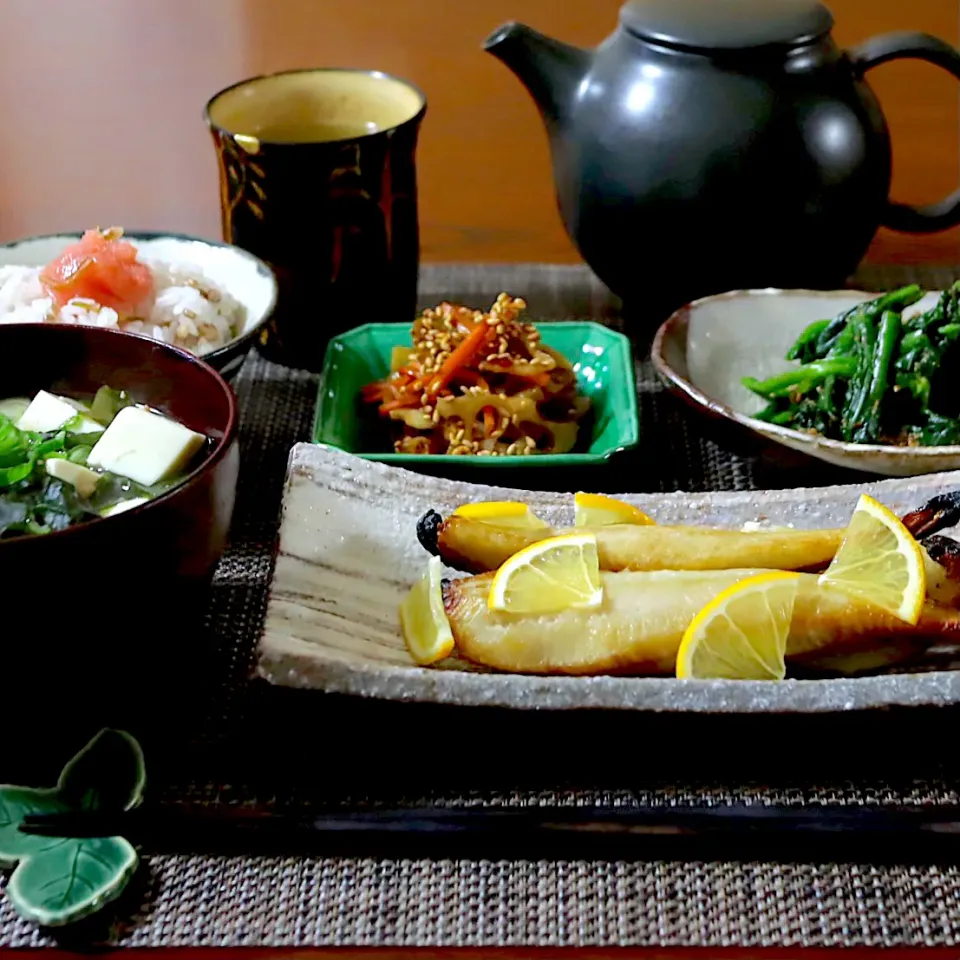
(348, 553)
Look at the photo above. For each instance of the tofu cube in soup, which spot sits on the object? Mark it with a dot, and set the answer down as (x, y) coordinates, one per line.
(123, 506)
(145, 447)
(48, 412)
(82, 479)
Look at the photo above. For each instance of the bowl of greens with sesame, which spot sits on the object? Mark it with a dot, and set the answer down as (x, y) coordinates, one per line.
(861, 381)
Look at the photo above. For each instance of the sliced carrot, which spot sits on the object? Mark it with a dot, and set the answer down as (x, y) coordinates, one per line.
(404, 400)
(468, 348)
(372, 391)
(489, 421)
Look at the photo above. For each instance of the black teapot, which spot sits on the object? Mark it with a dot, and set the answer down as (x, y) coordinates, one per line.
(710, 145)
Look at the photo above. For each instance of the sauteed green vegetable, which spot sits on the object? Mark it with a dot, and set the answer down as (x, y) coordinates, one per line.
(872, 375)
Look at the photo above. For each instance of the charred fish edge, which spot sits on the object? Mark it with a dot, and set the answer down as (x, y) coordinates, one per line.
(946, 552)
(939, 513)
(428, 529)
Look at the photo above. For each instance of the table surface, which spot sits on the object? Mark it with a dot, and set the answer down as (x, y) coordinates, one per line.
(105, 126)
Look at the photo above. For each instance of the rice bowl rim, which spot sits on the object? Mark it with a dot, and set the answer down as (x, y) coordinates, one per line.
(262, 267)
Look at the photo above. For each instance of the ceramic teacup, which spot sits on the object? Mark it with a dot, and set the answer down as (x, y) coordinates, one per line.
(318, 178)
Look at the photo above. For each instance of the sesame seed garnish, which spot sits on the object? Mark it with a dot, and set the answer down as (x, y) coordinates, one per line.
(512, 346)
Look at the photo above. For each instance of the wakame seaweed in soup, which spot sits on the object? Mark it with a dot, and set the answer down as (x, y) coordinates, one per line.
(64, 461)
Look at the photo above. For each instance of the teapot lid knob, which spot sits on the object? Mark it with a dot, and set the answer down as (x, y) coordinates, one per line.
(726, 24)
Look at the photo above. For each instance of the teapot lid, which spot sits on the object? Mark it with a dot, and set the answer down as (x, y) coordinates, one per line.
(726, 24)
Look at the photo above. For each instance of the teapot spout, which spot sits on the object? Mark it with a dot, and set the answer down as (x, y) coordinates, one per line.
(549, 69)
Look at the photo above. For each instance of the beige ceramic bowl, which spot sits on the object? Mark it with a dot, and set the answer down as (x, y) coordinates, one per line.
(706, 348)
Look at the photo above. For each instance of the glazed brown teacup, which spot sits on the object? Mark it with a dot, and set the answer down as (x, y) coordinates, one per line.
(318, 178)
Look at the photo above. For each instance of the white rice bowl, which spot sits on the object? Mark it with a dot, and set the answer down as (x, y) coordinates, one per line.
(205, 295)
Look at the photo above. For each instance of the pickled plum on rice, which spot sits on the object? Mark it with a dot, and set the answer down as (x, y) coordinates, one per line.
(101, 267)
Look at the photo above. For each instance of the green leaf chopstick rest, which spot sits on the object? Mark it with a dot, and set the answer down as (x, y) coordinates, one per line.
(56, 881)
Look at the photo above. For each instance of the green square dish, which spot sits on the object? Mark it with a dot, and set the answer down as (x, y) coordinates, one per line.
(601, 357)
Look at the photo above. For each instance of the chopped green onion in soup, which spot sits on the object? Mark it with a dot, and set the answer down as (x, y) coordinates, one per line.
(67, 460)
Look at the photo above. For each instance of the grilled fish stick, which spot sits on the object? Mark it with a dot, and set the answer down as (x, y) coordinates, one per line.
(477, 546)
(639, 627)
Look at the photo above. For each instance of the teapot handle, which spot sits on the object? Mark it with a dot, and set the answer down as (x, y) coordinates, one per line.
(917, 46)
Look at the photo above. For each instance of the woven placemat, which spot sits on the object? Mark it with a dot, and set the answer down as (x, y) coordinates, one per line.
(244, 742)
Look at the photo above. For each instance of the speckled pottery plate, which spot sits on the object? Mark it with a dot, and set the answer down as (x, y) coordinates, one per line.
(348, 553)
(246, 277)
(705, 349)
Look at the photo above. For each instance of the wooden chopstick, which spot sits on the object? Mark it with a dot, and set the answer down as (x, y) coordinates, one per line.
(736, 831)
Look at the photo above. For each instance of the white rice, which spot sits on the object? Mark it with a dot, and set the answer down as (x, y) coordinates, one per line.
(187, 309)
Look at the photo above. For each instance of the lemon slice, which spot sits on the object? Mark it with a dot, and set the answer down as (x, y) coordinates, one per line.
(742, 633)
(596, 510)
(423, 622)
(878, 561)
(504, 513)
(555, 574)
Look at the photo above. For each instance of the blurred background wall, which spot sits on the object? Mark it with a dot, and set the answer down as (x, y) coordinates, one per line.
(102, 103)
